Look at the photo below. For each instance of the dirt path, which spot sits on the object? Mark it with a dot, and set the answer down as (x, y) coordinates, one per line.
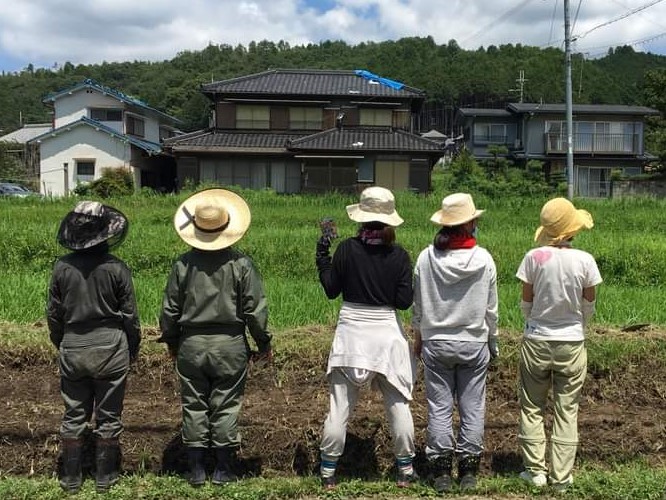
(621, 417)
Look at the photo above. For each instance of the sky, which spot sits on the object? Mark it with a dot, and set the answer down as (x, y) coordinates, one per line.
(48, 33)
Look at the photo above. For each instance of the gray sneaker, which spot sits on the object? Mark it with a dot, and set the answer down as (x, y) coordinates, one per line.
(538, 480)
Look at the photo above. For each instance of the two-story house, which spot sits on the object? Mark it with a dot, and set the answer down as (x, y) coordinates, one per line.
(95, 127)
(605, 138)
(296, 130)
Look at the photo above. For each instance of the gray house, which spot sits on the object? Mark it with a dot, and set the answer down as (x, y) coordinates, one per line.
(296, 130)
(605, 138)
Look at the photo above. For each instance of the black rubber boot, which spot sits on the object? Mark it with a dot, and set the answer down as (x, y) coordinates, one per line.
(225, 466)
(468, 468)
(195, 460)
(442, 467)
(71, 477)
(107, 463)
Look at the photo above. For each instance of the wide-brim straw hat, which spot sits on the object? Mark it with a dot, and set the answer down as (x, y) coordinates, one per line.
(561, 221)
(90, 224)
(212, 219)
(457, 208)
(376, 204)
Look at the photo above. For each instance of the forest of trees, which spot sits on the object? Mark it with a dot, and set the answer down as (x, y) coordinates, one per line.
(451, 76)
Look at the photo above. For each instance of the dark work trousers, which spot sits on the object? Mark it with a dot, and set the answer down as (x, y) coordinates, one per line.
(93, 376)
(212, 370)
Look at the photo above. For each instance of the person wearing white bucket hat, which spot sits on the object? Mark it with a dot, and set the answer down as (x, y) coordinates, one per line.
(214, 293)
(558, 300)
(374, 276)
(455, 330)
(94, 323)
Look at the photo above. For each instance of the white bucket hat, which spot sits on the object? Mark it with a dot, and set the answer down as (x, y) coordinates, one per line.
(376, 204)
(457, 208)
(212, 219)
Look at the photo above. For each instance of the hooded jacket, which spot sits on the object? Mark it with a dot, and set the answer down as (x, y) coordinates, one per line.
(455, 295)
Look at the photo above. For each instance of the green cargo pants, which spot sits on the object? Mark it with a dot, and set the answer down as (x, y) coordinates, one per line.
(93, 377)
(212, 369)
(562, 365)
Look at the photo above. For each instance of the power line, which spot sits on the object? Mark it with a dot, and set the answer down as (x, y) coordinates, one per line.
(619, 18)
(497, 21)
(552, 23)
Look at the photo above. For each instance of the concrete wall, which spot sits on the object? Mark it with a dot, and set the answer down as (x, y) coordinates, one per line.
(638, 187)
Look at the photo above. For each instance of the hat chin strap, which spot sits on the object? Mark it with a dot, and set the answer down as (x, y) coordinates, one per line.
(191, 219)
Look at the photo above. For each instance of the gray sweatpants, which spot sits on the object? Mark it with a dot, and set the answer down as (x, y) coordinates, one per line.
(93, 376)
(455, 372)
(343, 398)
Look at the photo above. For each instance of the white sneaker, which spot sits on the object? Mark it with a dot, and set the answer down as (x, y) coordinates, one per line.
(538, 480)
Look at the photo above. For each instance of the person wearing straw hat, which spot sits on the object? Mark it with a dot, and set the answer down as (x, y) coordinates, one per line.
(374, 276)
(213, 294)
(558, 299)
(93, 322)
(455, 330)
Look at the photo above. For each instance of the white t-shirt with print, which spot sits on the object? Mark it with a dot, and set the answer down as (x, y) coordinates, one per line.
(558, 276)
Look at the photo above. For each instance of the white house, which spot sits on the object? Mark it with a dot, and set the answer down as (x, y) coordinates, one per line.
(95, 127)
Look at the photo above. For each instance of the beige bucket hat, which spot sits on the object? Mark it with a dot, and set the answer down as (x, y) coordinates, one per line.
(457, 208)
(560, 221)
(212, 219)
(376, 204)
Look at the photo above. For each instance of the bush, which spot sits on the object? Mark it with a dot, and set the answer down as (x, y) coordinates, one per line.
(113, 182)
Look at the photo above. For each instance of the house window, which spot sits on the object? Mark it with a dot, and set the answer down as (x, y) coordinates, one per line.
(85, 171)
(490, 133)
(593, 137)
(166, 133)
(305, 118)
(254, 117)
(106, 115)
(401, 119)
(135, 126)
(376, 117)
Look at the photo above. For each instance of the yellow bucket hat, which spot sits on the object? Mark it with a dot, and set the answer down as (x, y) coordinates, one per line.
(560, 221)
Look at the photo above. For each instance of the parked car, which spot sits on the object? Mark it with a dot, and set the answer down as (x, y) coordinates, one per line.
(12, 189)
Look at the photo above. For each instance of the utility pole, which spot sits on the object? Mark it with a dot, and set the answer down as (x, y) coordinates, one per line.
(521, 85)
(569, 106)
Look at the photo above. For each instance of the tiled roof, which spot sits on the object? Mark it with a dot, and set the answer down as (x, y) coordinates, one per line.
(607, 109)
(27, 133)
(92, 84)
(484, 112)
(230, 141)
(366, 139)
(148, 146)
(304, 82)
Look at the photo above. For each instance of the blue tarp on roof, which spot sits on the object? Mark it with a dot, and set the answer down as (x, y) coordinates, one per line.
(385, 81)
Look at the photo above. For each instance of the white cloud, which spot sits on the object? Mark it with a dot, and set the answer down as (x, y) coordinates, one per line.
(46, 31)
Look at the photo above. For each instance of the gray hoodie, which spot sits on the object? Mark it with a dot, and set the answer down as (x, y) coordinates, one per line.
(455, 295)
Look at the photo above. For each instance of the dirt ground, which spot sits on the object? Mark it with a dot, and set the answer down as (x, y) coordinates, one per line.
(622, 416)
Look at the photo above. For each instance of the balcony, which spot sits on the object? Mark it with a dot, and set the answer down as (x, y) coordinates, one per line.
(623, 144)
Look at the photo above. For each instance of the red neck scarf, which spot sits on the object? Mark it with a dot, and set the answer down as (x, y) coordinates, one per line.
(454, 242)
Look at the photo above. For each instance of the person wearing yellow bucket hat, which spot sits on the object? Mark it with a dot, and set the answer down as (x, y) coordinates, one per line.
(558, 299)
(214, 293)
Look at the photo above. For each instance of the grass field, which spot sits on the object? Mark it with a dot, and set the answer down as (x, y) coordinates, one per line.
(628, 241)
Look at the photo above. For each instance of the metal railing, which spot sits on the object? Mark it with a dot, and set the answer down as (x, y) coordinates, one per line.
(593, 143)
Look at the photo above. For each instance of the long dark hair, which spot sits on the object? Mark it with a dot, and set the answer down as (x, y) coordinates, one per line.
(385, 232)
(444, 235)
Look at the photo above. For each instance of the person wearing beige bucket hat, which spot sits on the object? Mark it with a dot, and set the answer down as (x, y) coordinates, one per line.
(558, 299)
(455, 334)
(213, 295)
(373, 275)
(93, 322)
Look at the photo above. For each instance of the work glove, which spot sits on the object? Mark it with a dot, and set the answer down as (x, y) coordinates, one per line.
(323, 252)
(493, 347)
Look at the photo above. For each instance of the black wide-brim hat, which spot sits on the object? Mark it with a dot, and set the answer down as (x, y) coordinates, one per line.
(91, 224)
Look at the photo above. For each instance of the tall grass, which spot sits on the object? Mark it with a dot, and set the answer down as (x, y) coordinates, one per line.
(628, 241)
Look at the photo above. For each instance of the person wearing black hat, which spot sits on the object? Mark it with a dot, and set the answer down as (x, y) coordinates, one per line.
(213, 295)
(93, 322)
